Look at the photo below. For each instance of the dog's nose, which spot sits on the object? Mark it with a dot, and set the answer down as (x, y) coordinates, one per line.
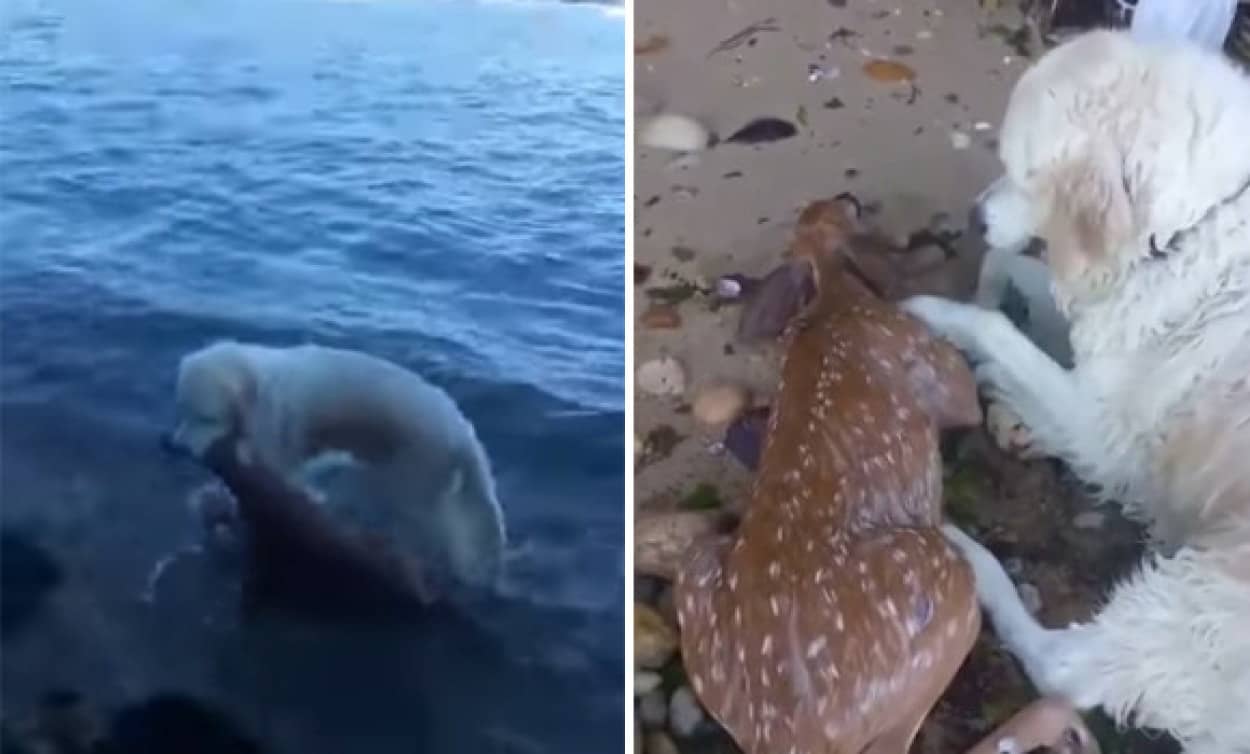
(976, 220)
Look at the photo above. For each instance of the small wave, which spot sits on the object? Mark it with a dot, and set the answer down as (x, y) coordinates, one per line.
(609, 8)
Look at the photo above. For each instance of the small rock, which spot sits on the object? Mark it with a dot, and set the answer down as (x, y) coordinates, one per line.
(728, 288)
(651, 45)
(645, 682)
(660, 442)
(888, 71)
(646, 587)
(662, 376)
(1089, 520)
(661, 317)
(1014, 567)
(819, 73)
(960, 140)
(683, 253)
(763, 130)
(654, 640)
(666, 606)
(684, 713)
(676, 133)
(660, 743)
(653, 709)
(1031, 597)
(720, 404)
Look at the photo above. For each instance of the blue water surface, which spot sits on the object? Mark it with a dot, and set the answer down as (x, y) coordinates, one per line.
(436, 182)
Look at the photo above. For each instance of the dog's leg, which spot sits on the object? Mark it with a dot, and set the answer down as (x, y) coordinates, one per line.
(1014, 372)
(1145, 657)
(470, 523)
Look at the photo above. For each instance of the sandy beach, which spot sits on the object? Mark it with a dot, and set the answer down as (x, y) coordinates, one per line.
(912, 136)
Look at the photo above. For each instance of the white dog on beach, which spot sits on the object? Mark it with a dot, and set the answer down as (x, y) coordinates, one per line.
(294, 406)
(1131, 160)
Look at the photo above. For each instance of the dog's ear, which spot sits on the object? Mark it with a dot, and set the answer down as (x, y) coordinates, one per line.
(1090, 219)
(243, 393)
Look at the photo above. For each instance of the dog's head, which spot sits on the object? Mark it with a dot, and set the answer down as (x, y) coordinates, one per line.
(1112, 147)
(216, 389)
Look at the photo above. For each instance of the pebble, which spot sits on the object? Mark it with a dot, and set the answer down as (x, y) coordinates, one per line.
(718, 405)
(653, 709)
(662, 376)
(660, 743)
(654, 640)
(675, 133)
(1089, 520)
(661, 317)
(888, 71)
(647, 588)
(666, 605)
(646, 681)
(728, 288)
(960, 140)
(1031, 597)
(684, 713)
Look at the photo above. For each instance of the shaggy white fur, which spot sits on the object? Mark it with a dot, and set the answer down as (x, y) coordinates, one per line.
(295, 406)
(1132, 162)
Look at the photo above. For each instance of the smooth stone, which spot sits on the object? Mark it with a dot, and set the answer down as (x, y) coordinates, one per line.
(675, 133)
(718, 405)
(653, 709)
(661, 317)
(684, 713)
(660, 743)
(662, 376)
(646, 681)
(654, 640)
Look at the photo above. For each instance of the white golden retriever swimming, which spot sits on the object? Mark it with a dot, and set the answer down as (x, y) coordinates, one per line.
(1132, 162)
(295, 405)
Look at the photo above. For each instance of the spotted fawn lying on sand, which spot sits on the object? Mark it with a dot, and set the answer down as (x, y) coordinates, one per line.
(837, 614)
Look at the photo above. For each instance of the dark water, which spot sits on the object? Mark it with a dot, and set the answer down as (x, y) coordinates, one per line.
(440, 183)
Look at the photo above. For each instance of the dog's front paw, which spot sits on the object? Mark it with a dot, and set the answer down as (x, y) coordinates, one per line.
(1006, 416)
(953, 320)
(1010, 433)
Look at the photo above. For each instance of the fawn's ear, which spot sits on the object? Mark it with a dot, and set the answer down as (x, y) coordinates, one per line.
(781, 296)
(944, 385)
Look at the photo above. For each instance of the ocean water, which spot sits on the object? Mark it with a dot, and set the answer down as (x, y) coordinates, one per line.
(436, 182)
